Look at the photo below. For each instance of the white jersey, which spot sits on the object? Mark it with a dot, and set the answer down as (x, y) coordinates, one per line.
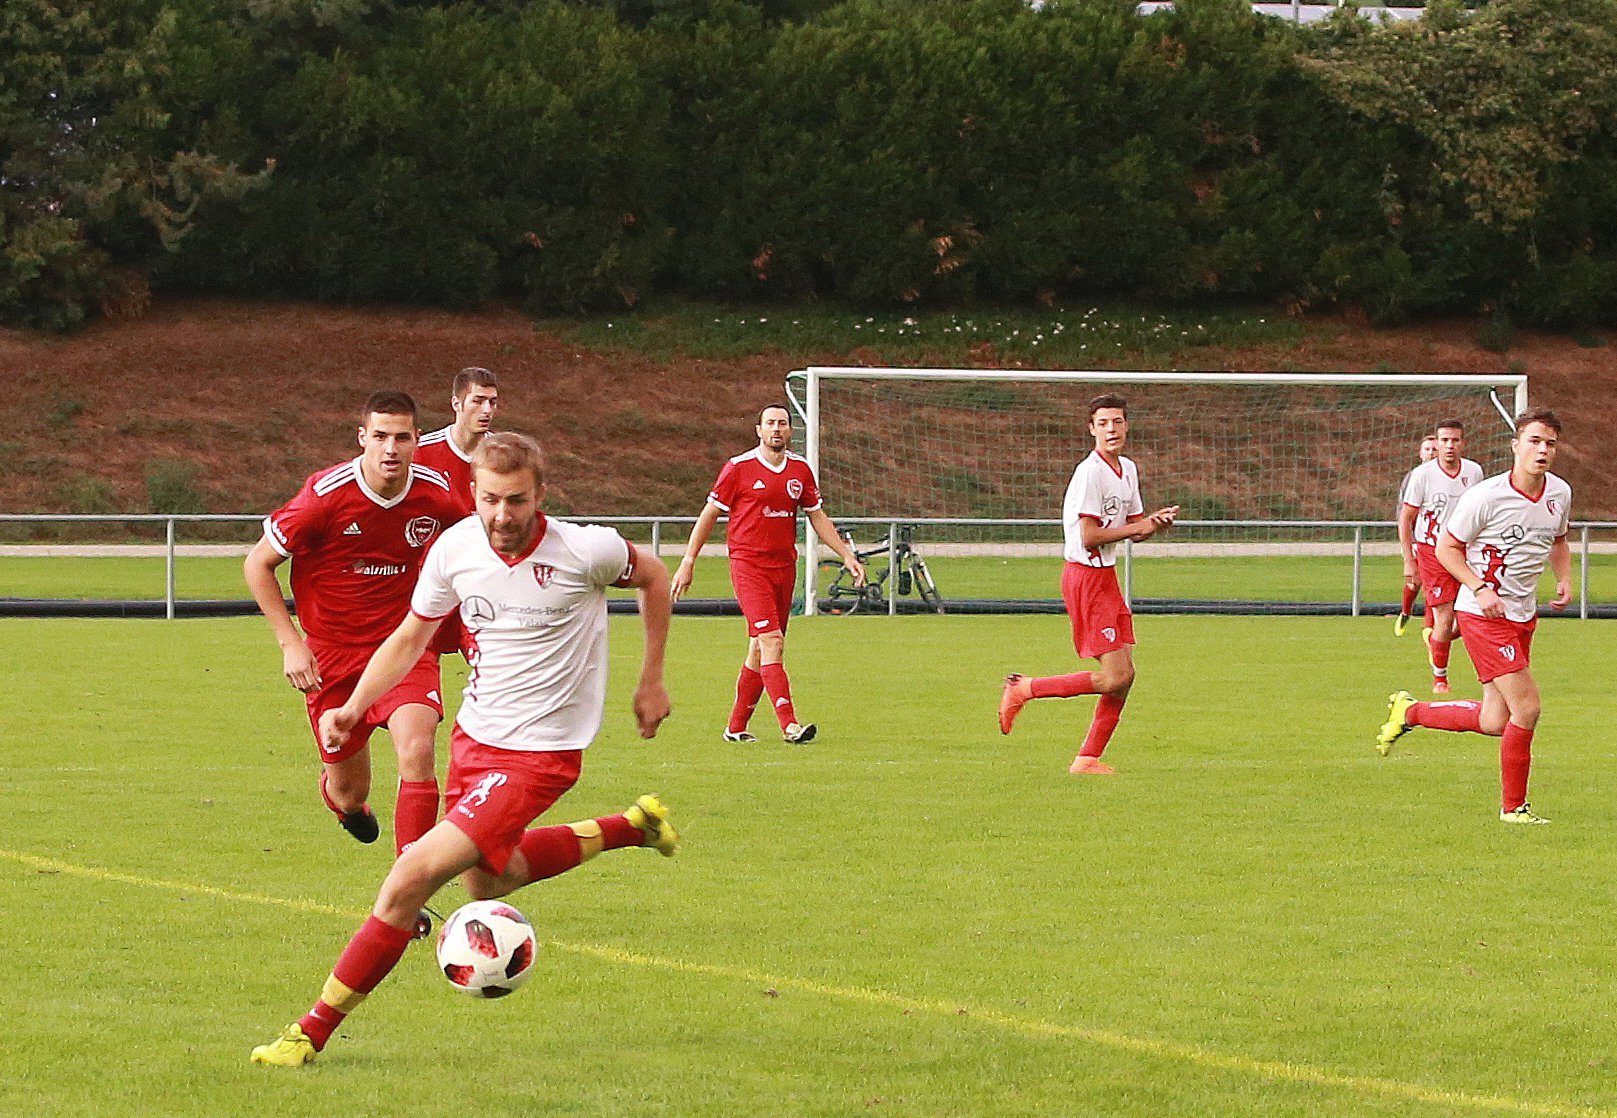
(1102, 494)
(536, 629)
(1507, 537)
(1435, 492)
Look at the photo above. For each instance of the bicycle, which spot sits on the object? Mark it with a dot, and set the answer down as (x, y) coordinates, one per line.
(913, 577)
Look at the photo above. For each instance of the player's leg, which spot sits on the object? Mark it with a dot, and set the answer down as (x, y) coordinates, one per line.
(412, 711)
(1021, 689)
(345, 772)
(749, 689)
(1440, 643)
(1411, 588)
(1113, 680)
(377, 946)
(545, 852)
(1518, 692)
(778, 685)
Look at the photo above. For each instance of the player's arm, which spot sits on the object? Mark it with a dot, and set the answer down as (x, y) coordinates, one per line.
(1451, 553)
(297, 662)
(1561, 564)
(1143, 527)
(700, 531)
(387, 665)
(827, 532)
(1406, 541)
(650, 581)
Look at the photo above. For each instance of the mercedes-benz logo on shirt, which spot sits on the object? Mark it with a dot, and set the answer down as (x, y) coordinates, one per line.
(1111, 506)
(1513, 533)
(477, 609)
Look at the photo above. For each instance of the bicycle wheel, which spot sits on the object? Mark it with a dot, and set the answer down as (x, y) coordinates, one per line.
(924, 583)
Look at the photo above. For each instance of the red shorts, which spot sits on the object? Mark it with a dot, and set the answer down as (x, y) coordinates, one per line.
(493, 794)
(1497, 645)
(421, 684)
(765, 595)
(1101, 621)
(1441, 587)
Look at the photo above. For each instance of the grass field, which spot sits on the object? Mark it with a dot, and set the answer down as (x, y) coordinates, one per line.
(912, 916)
(1258, 578)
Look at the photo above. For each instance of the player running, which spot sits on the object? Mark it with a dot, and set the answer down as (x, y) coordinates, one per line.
(1430, 494)
(532, 592)
(475, 397)
(762, 491)
(1495, 544)
(1428, 451)
(1102, 506)
(356, 534)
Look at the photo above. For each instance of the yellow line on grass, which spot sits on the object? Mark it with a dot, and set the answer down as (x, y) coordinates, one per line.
(1280, 1070)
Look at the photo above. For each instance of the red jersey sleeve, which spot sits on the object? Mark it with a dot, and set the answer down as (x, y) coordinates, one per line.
(724, 489)
(297, 526)
(810, 500)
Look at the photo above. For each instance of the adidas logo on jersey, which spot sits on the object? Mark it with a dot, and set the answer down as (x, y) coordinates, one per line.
(758, 484)
(352, 529)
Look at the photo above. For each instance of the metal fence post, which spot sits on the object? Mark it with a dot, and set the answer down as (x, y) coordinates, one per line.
(1583, 574)
(1358, 566)
(168, 595)
(1128, 573)
(892, 570)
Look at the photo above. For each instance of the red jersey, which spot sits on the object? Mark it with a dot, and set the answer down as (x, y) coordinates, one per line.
(762, 502)
(355, 557)
(439, 451)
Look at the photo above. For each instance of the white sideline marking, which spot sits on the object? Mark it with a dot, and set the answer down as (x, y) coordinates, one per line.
(1026, 1026)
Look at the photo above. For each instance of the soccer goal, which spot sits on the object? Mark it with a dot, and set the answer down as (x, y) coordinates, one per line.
(1287, 482)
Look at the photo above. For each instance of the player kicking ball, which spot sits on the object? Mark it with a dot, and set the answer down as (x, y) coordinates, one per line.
(1102, 506)
(532, 593)
(1495, 543)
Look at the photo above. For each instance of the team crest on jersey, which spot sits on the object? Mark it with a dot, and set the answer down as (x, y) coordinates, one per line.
(542, 574)
(1109, 633)
(1508, 651)
(420, 530)
(1550, 504)
(794, 488)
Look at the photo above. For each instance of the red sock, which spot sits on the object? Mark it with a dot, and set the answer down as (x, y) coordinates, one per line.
(555, 850)
(1461, 714)
(780, 692)
(1429, 622)
(1107, 711)
(1515, 759)
(415, 811)
(1063, 686)
(749, 686)
(1440, 656)
(369, 957)
(1409, 600)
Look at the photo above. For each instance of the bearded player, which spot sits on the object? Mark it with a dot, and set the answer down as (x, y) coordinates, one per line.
(1495, 544)
(1102, 506)
(356, 534)
(762, 491)
(1430, 494)
(532, 593)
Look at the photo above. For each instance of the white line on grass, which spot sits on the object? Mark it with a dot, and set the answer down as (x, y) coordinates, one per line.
(1026, 1026)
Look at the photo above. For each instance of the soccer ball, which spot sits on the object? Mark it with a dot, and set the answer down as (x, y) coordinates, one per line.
(486, 949)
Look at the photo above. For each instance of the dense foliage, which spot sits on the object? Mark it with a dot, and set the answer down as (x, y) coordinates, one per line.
(579, 155)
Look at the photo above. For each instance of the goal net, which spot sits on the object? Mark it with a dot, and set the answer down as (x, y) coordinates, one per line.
(1287, 483)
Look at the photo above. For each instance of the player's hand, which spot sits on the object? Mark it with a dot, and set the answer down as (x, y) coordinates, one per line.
(300, 667)
(681, 581)
(1411, 575)
(1489, 603)
(651, 706)
(854, 565)
(1563, 594)
(335, 726)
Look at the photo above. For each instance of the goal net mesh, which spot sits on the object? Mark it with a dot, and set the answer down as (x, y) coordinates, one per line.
(993, 448)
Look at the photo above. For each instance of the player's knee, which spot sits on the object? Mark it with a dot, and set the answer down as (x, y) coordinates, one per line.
(1525, 714)
(771, 646)
(417, 758)
(1118, 680)
(483, 886)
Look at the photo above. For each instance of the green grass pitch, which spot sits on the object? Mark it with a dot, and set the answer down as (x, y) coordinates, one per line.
(911, 916)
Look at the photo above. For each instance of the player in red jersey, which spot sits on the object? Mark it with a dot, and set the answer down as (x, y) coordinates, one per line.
(1495, 543)
(475, 398)
(1102, 506)
(534, 705)
(1431, 492)
(1428, 451)
(356, 534)
(762, 491)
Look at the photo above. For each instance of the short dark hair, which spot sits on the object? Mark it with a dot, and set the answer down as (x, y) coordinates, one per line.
(1108, 400)
(506, 452)
(390, 402)
(1454, 423)
(1538, 415)
(771, 407)
(470, 375)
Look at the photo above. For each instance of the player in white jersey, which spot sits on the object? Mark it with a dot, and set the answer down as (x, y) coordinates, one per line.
(1496, 543)
(1102, 506)
(532, 593)
(1430, 494)
(1428, 451)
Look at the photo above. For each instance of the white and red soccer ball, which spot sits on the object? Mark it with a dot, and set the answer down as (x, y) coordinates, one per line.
(486, 949)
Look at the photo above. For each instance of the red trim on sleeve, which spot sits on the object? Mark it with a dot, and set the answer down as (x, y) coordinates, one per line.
(628, 574)
(1456, 539)
(1090, 516)
(427, 616)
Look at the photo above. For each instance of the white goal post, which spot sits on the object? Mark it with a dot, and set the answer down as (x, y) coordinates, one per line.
(998, 444)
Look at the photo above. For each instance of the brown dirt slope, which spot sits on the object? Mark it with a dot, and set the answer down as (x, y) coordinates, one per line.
(257, 396)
